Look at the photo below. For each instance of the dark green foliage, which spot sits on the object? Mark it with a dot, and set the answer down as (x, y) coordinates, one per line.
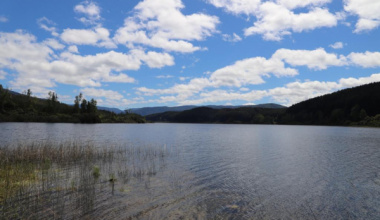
(345, 107)
(15, 107)
(243, 115)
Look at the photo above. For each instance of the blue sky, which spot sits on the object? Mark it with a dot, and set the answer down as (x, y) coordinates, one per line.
(129, 53)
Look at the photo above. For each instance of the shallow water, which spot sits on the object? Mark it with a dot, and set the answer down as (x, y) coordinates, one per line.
(230, 171)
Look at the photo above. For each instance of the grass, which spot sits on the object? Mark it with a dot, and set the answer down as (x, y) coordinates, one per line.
(61, 180)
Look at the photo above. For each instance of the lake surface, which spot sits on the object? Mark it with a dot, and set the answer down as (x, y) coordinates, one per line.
(235, 171)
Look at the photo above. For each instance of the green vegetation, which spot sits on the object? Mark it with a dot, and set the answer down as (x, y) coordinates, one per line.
(63, 180)
(15, 107)
(359, 106)
(354, 106)
(243, 115)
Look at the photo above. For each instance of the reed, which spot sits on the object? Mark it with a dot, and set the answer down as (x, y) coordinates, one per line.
(44, 180)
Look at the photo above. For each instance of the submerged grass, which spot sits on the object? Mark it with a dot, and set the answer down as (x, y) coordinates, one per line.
(60, 180)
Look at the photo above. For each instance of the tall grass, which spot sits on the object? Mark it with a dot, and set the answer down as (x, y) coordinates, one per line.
(61, 180)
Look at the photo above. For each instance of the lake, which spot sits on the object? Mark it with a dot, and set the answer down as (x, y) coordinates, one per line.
(233, 171)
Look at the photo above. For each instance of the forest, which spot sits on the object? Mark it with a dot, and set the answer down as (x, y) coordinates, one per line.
(16, 107)
(358, 106)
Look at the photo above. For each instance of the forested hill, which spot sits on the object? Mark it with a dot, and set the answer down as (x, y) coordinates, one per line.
(16, 107)
(359, 106)
(160, 109)
(242, 115)
(354, 106)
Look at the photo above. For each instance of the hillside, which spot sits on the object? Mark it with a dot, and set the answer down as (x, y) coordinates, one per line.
(242, 115)
(354, 106)
(358, 106)
(161, 109)
(16, 107)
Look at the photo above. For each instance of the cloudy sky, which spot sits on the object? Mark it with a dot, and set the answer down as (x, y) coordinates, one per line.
(130, 53)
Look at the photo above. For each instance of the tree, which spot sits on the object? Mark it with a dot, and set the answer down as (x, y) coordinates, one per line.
(91, 106)
(52, 102)
(4, 98)
(77, 102)
(83, 106)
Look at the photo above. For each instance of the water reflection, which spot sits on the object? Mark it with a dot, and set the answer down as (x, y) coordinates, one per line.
(224, 171)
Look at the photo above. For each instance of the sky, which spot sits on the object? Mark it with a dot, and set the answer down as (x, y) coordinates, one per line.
(130, 53)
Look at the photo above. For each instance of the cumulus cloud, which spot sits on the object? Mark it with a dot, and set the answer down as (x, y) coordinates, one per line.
(314, 59)
(367, 59)
(161, 24)
(336, 45)
(276, 19)
(367, 11)
(37, 65)
(91, 11)
(98, 36)
(101, 93)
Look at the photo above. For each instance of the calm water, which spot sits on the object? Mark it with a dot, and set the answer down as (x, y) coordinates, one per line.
(235, 171)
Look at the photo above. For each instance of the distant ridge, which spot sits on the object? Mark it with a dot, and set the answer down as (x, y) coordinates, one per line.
(161, 109)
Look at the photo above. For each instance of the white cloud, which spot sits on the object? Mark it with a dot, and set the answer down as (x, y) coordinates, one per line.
(99, 36)
(299, 91)
(91, 11)
(37, 66)
(222, 96)
(314, 59)
(352, 82)
(154, 59)
(48, 25)
(73, 49)
(161, 24)
(275, 19)
(336, 45)
(366, 60)
(246, 7)
(3, 19)
(54, 44)
(367, 11)
(250, 71)
(231, 38)
(101, 93)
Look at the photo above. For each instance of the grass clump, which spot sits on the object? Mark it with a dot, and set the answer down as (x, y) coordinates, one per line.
(96, 172)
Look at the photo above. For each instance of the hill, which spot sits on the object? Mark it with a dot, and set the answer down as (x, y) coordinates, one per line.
(160, 109)
(241, 115)
(354, 106)
(358, 106)
(16, 107)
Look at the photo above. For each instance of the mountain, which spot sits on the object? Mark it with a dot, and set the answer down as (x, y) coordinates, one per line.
(160, 109)
(354, 106)
(114, 110)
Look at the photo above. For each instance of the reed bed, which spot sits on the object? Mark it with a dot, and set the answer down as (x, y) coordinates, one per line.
(65, 180)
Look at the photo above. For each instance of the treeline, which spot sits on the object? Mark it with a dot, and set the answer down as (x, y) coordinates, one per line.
(359, 106)
(16, 107)
(242, 115)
